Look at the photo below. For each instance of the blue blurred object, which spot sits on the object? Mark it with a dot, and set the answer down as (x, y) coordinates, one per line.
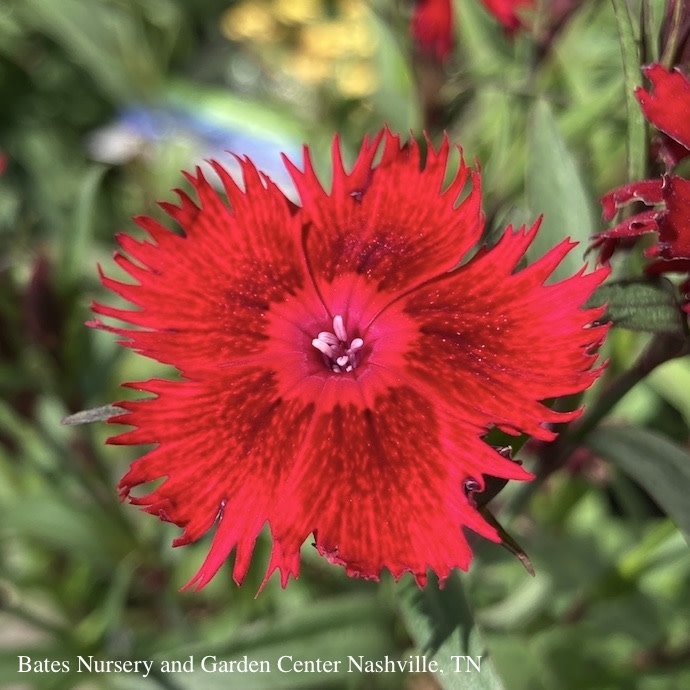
(139, 130)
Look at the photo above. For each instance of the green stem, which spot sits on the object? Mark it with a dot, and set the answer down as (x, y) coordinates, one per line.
(661, 349)
(637, 129)
(669, 53)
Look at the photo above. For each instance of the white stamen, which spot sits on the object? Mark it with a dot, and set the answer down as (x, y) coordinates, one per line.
(339, 328)
(328, 337)
(338, 355)
(323, 347)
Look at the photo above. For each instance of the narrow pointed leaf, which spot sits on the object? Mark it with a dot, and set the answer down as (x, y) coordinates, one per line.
(641, 305)
(442, 625)
(555, 189)
(637, 133)
(661, 467)
(75, 251)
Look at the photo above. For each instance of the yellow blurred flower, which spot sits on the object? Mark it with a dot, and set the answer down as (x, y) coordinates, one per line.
(303, 67)
(338, 38)
(356, 79)
(321, 48)
(296, 11)
(248, 21)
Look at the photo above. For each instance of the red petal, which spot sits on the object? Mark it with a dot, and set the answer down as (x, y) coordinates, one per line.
(668, 150)
(667, 106)
(432, 27)
(669, 266)
(507, 11)
(381, 486)
(391, 224)
(631, 228)
(205, 297)
(504, 350)
(647, 191)
(674, 222)
(224, 446)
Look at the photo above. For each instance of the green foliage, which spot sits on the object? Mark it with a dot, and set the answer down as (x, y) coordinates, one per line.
(443, 627)
(649, 306)
(554, 186)
(630, 49)
(661, 467)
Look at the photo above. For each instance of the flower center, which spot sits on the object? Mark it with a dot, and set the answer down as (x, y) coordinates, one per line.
(339, 353)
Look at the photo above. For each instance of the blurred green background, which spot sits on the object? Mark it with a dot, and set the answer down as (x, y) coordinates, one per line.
(103, 102)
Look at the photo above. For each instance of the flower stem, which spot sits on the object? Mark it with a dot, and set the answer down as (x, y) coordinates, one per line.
(662, 348)
(675, 10)
(637, 128)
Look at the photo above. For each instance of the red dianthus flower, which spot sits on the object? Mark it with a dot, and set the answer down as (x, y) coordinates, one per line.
(432, 22)
(340, 365)
(432, 27)
(507, 12)
(667, 107)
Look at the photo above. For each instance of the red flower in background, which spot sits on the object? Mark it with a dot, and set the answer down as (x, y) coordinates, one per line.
(432, 22)
(340, 368)
(667, 107)
(507, 11)
(432, 27)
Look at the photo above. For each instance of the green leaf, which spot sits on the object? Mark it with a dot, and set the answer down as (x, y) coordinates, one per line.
(332, 631)
(641, 305)
(661, 467)
(100, 41)
(442, 625)
(555, 189)
(672, 382)
(637, 132)
(11, 677)
(481, 39)
(50, 520)
(75, 251)
(104, 619)
(507, 541)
